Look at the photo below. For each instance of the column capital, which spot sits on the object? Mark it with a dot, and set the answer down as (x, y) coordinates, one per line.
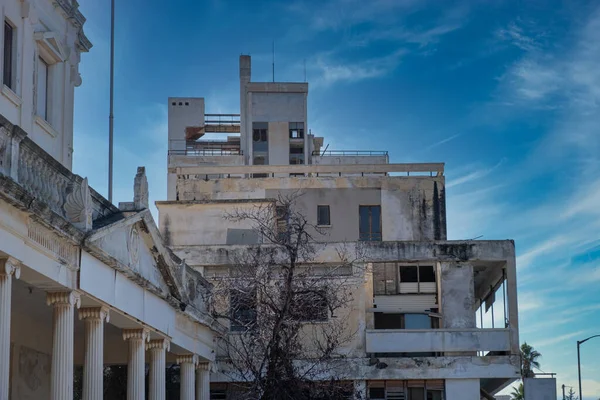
(140, 334)
(187, 358)
(63, 299)
(10, 266)
(164, 344)
(203, 366)
(101, 313)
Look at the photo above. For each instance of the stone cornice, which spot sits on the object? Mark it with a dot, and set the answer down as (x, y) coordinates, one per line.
(63, 299)
(101, 314)
(187, 359)
(10, 266)
(136, 334)
(164, 344)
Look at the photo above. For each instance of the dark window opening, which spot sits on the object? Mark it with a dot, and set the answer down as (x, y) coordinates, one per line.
(426, 273)
(323, 217)
(7, 77)
(409, 274)
(259, 135)
(369, 223)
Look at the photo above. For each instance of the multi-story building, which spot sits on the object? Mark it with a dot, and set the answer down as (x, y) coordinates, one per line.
(416, 312)
(64, 247)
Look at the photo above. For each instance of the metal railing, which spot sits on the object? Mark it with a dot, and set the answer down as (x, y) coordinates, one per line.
(350, 153)
(221, 119)
(213, 148)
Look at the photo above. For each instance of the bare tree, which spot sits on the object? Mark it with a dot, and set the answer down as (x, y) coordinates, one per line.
(288, 315)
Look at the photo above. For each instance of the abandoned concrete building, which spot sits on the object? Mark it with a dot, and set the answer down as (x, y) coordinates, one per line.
(417, 309)
(82, 282)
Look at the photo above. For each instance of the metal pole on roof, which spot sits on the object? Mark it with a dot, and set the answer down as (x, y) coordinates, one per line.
(110, 115)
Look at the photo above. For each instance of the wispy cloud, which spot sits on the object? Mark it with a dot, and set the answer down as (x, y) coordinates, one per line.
(558, 339)
(515, 34)
(471, 176)
(443, 141)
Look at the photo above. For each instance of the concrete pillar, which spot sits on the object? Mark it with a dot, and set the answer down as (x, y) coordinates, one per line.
(462, 389)
(61, 380)
(8, 268)
(93, 365)
(136, 363)
(203, 381)
(187, 364)
(157, 379)
(513, 305)
(458, 296)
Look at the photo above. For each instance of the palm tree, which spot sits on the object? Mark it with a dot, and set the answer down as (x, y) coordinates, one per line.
(517, 393)
(529, 360)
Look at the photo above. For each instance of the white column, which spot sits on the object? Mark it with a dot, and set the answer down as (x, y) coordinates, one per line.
(360, 389)
(157, 386)
(203, 381)
(136, 364)
(8, 268)
(61, 381)
(187, 364)
(93, 366)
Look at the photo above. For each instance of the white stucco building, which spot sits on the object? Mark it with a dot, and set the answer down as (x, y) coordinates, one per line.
(82, 282)
(417, 315)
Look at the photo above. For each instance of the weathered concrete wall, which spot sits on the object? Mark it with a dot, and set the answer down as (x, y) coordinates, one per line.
(182, 116)
(278, 107)
(437, 340)
(540, 388)
(339, 160)
(457, 295)
(191, 223)
(412, 207)
(30, 374)
(462, 389)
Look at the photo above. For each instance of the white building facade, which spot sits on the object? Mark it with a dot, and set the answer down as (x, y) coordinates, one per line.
(420, 334)
(82, 282)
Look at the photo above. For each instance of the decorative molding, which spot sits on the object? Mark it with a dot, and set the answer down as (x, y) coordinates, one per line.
(136, 334)
(187, 358)
(95, 313)
(63, 299)
(10, 266)
(75, 77)
(203, 366)
(60, 248)
(12, 96)
(78, 205)
(45, 125)
(164, 344)
(50, 47)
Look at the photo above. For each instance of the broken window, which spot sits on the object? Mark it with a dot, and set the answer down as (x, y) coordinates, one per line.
(296, 130)
(385, 278)
(369, 223)
(323, 215)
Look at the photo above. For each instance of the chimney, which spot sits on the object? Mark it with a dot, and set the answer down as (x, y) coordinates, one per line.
(245, 69)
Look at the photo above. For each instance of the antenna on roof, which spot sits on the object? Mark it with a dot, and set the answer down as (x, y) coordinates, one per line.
(273, 61)
(305, 70)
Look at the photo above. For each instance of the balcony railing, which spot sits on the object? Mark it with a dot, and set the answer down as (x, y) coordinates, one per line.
(437, 340)
(205, 148)
(337, 153)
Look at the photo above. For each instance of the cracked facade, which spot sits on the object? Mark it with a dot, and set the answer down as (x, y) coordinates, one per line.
(417, 309)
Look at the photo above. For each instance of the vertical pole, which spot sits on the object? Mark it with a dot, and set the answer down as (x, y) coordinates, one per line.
(273, 61)
(110, 115)
(579, 368)
(563, 388)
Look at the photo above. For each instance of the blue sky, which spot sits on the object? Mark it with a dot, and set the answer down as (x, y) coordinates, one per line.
(507, 94)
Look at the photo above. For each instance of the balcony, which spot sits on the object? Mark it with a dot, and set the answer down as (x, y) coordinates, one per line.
(437, 340)
(345, 153)
(204, 148)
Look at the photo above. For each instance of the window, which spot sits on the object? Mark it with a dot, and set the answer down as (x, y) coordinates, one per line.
(405, 321)
(260, 160)
(242, 310)
(42, 89)
(323, 215)
(296, 130)
(9, 54)
(310, 306)
(391, 279)
(259, 135)
(369, 223)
